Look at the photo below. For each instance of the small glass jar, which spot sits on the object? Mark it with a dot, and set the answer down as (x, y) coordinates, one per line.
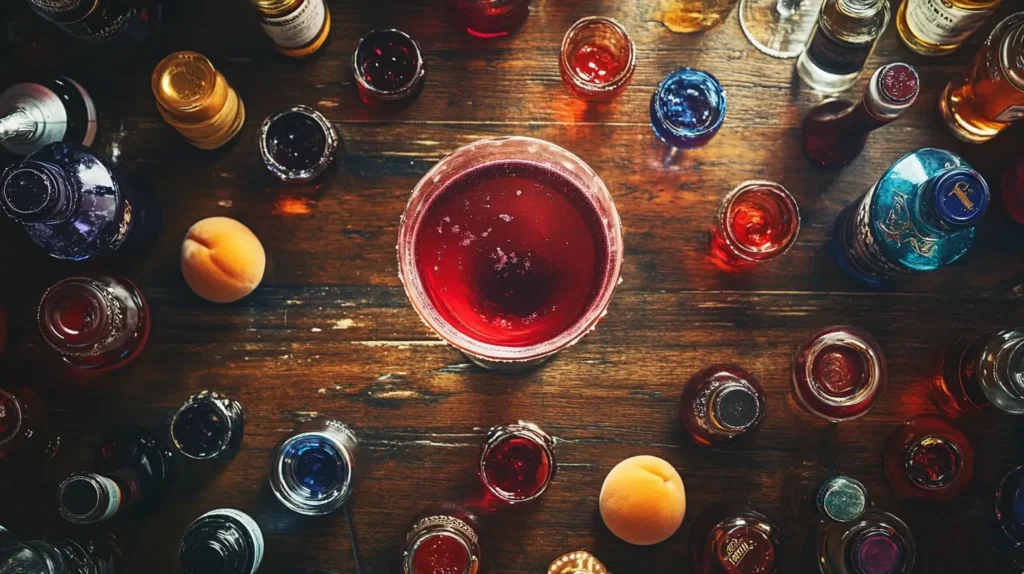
(517, 462)
(721, 403)
(97, 323)
(687, 110)
(839, 374)
(578, 562)
(927, 458)
(597, 58)
(492, 18)
(543, 163)
(209, 425)
(757, 222)
(297, 144)
(388, 66)
(878, 542)
(1009, 511)
(312, 472)
(443, 541)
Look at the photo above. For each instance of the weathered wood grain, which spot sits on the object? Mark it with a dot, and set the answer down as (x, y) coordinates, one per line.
(330, 333)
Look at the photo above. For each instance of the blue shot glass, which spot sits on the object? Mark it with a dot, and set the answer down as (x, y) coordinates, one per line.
(687, 109)
(312, 472)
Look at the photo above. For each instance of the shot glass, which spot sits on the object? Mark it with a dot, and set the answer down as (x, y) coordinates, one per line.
(388, 66)
(757, 222)
(839, 374)
(597, 58)
(687, 110)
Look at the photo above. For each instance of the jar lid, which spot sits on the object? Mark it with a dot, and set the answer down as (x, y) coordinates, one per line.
(842, 499)
(297, 143)
(188, 88)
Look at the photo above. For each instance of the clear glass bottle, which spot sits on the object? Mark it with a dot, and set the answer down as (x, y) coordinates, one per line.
(33, 115)
(878, 542)
(442, 541)
(688, 16)
(836, 130)
(735, 538)
(990, 96)
(937, 27)
(983, 372)
(117, 27)
(95, 554)
(25, 427)
(839, 374)
(841, 43)
(929, 459)
(298, 28)
(517, 462)
(313, 472)
(96, 324)
(223, 541)
(720, 404)
(209, 425)
(919, 216)
(133, 474)
(72, 217)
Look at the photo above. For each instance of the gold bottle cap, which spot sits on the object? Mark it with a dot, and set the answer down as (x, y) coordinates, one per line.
(188, 88)
(579, 562)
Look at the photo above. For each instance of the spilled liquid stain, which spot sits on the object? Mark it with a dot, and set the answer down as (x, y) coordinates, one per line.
(293, 206)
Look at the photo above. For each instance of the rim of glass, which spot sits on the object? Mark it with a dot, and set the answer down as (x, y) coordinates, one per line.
(687, 134)
(299, 175)
(20, 414)
(288, 494)
(222, 409)
(448, 532)
(742, 250)
(399, 91)
(591, 87)
(409, 274)
(861, 342)
(499, 434)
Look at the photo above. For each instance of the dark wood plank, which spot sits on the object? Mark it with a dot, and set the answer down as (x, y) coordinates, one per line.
(330, 333)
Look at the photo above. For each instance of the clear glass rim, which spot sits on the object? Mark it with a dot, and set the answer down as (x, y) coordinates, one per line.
(286, 492)
(401, 91)
(299, 175)
(414, 289)
(222, 410)
(689, 134)
(851, 337)
(459, 531)
(742, 250)
(18, 412)
(499, 434)
(592, 88)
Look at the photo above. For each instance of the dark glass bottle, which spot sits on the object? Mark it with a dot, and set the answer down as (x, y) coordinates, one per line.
(313, 471)
(119, 27)
(33, 115)
(74, 206)
(721, 403)
(983, 372)
(927, 458)
(24, 424)
(97, 554)
(1010, 505)
(735, 539)
(209, 425)
(836, 130)
(223, 541)
(442, 541)
(877, 543)
(96, 324)
(133, 474)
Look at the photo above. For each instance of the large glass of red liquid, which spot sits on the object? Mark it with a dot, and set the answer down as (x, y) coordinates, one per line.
(510, 249)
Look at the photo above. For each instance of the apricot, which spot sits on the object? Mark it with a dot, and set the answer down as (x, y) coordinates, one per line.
(643, 500)
(222, 260)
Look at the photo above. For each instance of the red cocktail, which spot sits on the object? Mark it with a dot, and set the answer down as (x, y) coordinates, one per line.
(839, 374)
(517, 462)
(757, 221)
(510, 249)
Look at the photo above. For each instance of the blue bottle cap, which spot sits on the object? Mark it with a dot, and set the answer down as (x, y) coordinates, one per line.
(961, 196)
(687, 108)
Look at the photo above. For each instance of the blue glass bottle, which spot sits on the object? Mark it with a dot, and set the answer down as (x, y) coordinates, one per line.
(687, 109)
(74, 206)
(312, 472)
(918, 217)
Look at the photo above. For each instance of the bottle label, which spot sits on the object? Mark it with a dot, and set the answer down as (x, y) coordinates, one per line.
(1011, 114)
(255, 534)
(298, 28)
(835, 56)
(940, 22)
(113, 498)
(863, 249)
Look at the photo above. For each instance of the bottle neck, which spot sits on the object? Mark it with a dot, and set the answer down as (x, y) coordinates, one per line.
(36, 192)
(18, 124)
(212, 545)
(88, 498)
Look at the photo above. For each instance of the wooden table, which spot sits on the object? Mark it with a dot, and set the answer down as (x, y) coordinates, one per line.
(330, 332)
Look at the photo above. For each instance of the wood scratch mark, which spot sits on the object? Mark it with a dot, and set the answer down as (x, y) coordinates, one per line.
(386, 443)
(400, 344)
(225, 203)
(293, 302)
(328, 104)
(315, 330)
(343, 324)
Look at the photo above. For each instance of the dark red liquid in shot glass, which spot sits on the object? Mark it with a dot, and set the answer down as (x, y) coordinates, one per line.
(440, 554)
(759, 224)
(597, 64)
(388, 62)
(840, 371)
(512, 253)
(517, 467)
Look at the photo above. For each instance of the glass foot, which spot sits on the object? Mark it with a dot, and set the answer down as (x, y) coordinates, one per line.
(779, 28)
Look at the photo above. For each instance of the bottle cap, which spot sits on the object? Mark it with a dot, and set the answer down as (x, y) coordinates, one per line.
(208, 426)
(961, 196)
(579, 562)
(188, 88)
(933, 462)
(893, 89)
(735, 407)
(297, 143)
(28, 192)
(842, 499)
